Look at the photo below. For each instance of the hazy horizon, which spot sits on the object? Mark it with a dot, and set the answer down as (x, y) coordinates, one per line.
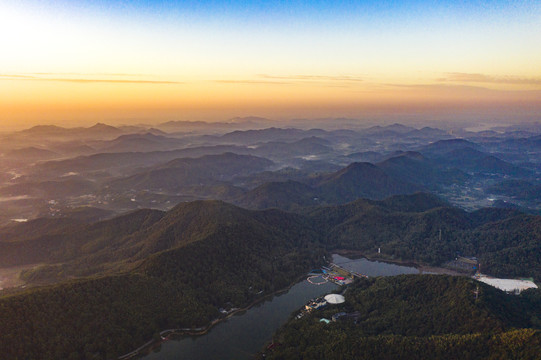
(75, 63)
(441, 119)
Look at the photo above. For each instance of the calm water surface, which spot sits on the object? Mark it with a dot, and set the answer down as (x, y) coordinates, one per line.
(243, 335)
(372, 268)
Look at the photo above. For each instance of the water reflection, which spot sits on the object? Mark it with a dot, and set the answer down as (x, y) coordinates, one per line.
(241, 336)
(372, 268)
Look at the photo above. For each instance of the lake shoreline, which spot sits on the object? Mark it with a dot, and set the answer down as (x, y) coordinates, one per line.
(423, 268)
(196, 332)
(147, 347)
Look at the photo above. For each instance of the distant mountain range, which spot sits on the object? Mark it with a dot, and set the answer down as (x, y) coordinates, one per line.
(220, 126)
(310, 147)
(204, 170)
(358, 180)
(414, 167)
(32, 153)
(99, 130)
(467, 156)
(442, 147)
(119, 161)
(270, 134)
(362, 180)
(143, 142)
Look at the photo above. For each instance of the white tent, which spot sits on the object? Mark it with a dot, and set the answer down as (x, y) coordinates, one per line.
(334, 299)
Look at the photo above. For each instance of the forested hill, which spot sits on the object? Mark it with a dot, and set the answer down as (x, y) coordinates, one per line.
(418, 227)
(122, 243)
(362, 180)
(200, 256)
(358, 180)
(418, 317)
(177, 173)
(507, 243)
(204, 255)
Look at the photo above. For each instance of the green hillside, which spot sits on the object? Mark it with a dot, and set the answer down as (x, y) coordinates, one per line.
(506, 242)
(175, 270)
(416, 317)
(405, 227)
(150, 270)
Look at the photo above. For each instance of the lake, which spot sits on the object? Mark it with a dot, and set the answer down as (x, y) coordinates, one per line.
(243, 335)
(372, 268)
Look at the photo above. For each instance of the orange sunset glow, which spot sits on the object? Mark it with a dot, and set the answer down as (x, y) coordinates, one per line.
(77, 61)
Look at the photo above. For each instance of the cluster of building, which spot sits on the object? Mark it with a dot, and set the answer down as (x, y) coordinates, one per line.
(337, 275)
(318, 303)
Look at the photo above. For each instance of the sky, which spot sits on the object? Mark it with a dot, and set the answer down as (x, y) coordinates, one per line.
(78, 62)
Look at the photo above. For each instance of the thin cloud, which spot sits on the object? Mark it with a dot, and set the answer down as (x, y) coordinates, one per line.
(265, 79)
(483, 78)
(114, 81)
(88, 74)
(252, 82)
(12, 77)
(83, 80)
(437, 86)
(454, 89)
(313, 77)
